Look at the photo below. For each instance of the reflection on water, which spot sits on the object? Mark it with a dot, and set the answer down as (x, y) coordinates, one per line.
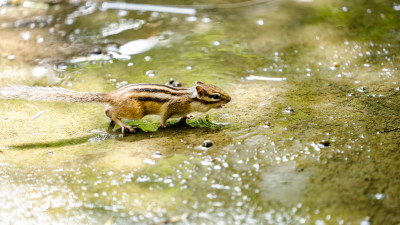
(310, 136)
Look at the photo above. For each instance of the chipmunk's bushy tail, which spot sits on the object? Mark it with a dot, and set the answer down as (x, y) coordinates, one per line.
(49, 94)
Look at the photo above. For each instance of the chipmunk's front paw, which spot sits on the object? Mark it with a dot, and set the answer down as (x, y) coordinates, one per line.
(189, 116)
(182, 121)
(128, 127)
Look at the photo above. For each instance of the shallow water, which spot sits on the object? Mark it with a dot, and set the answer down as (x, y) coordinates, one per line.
(312, 130)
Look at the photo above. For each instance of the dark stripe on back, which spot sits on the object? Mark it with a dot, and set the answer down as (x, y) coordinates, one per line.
(150, 99)
(158, 90)
(136, 87)
(161, 85)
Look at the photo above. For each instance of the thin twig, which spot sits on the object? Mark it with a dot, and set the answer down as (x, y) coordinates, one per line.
(226, 5)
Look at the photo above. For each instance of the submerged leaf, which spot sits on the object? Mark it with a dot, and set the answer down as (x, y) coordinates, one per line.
(205, 122)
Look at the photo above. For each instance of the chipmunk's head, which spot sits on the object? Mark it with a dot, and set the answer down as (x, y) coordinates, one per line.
(209, 96)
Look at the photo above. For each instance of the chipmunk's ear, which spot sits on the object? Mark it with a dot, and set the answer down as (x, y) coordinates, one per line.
(199, 90)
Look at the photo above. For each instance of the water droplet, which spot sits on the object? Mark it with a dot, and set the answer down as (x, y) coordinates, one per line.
(25, 35)
(217, 167)
(379, 196)
(191, 18)
(122, 13)
(69, 21)
(206, 20)
(396, 7)
(365, 221)
(39, 40)
(150, 73)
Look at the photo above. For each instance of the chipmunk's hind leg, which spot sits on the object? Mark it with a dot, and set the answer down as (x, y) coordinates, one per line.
(111, 126)
(110, 112)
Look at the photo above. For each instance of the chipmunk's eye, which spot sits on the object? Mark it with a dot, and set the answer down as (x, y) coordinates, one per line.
(215, 96)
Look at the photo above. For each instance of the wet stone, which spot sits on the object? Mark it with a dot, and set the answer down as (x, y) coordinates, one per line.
(157, 155)
(62, 66)
(172, 83)
(266, 124)
(289, 110)
(207, 144)
(324, 143)
(362, 89)
(96, 51)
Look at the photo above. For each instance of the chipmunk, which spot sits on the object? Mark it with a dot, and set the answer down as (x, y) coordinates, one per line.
(132, 101)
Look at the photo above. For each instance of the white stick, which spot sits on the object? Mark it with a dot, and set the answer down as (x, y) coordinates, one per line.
(253, 77)
(36, 115)
(144, 7)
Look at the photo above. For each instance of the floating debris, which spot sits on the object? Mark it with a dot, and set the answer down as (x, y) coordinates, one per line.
(93, 57)
(116, 28)
(110, 221)
(174, 219)
(35, 5)
(119, 56)
(138, 46)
